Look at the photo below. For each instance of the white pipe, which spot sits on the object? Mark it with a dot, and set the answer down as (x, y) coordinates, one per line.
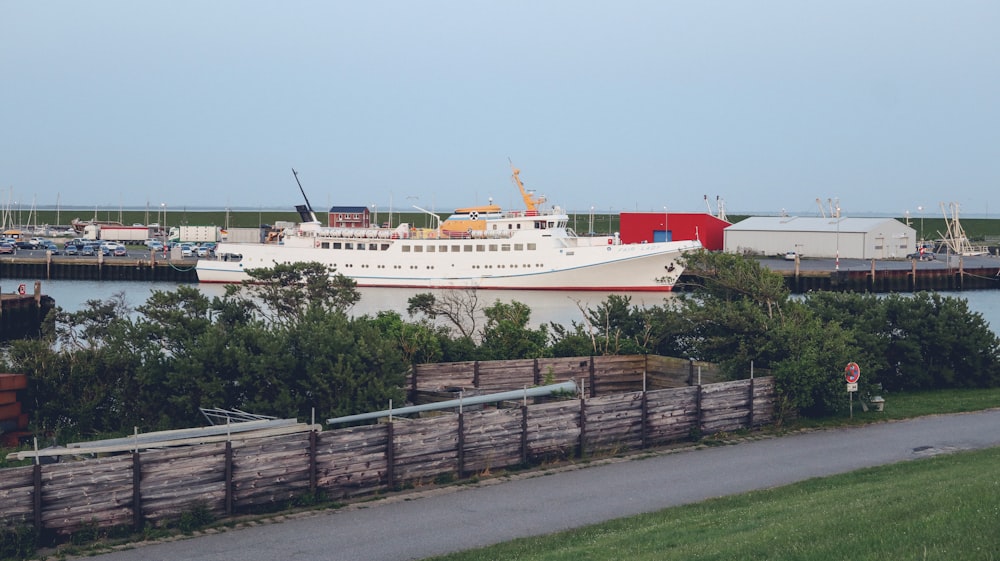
(538, 391)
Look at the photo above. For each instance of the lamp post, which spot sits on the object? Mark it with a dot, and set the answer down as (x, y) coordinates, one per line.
(375, 214)
(590, 232)
(163, 223)
(666, 231)
(836, 263)
(921, 210)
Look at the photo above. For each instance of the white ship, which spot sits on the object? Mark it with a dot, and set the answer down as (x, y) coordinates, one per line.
(480, 247)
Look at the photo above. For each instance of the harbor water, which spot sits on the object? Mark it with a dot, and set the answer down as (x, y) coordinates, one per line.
(560, 307)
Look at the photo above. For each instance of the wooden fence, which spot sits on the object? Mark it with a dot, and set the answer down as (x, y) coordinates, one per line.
(600, 375)
(155, 486)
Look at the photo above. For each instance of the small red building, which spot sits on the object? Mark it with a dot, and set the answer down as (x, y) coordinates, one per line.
(638, 227)
(349, 217)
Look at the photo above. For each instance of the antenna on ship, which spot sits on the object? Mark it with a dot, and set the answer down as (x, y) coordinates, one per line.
(305, 211)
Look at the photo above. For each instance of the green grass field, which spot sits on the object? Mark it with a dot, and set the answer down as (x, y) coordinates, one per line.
(945, 507)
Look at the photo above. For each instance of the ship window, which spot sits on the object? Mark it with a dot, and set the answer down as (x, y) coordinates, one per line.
(384, 247)
(505, 247)
(361, 246)
(348, 245)
(405, 249)
(519, 247)
(337, 245)
(493, 247)
(467, 248)
(373, 247)
(480, 247)
(456, 248)
(531, 247)
(418, 249)
(430, 249)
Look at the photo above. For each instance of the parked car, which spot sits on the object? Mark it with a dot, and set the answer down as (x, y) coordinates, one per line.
(922, 255)
(791, 256)
(89, 250)
(120, 251)
(71, 249)
(49, 246)
(24, 245)
(7, 247)
(187, 250)
(204, 251)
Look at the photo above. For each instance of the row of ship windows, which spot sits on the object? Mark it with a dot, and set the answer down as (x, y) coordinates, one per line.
(455, 248)
(429, 267)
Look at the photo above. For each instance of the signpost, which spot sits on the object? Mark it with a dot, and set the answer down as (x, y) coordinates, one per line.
(852, 373)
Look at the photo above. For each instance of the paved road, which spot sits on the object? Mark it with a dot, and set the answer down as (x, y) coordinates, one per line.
(466, 517)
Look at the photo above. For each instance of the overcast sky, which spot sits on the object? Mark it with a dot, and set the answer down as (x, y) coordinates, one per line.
(886, 106)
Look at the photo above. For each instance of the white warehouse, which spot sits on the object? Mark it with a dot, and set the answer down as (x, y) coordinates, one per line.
(852, 238)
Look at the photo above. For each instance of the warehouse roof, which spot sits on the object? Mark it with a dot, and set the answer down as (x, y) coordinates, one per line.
(811, 224)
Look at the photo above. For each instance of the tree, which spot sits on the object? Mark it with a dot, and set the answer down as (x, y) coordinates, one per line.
(282, 293)
(507, 335)
(459, 308)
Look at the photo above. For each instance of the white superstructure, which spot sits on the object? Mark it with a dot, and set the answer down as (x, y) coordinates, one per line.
(478, 247)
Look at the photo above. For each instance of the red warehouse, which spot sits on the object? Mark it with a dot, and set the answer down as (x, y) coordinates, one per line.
(638, 227)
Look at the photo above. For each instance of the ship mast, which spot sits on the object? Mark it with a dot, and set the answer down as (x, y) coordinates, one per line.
(530, 202)
(311, 216)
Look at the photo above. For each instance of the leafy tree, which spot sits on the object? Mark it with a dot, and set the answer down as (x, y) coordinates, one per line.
(507, 335)
(282, 293)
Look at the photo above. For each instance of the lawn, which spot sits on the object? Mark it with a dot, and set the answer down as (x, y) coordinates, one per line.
(945, 507)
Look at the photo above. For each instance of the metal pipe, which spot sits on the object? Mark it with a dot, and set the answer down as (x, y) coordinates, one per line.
(538, 391)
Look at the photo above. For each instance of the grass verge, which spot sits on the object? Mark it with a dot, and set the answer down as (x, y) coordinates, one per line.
(943, 507)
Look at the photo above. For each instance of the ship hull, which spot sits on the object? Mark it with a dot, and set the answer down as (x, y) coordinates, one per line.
(611, 267)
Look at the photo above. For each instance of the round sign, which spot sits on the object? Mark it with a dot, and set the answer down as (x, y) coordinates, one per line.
(852, 372)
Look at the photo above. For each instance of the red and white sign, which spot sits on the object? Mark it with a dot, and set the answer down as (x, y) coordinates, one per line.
(852, 373)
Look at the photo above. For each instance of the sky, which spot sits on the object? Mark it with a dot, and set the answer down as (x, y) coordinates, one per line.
(768, 106)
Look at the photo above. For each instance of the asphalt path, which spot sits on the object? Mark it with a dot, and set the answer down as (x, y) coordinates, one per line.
(464, 517)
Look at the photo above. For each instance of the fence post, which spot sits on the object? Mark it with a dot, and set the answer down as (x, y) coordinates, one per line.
(536, 374)
(580, 448)
(413, 381)
(475, 374)
(750, 414)
(313, 438)
(229, 478)
(645, 417)
(461, 445)
(524, 434)
(390, 456)
(136, 491)
(36, 479)
(697, 405)
(593, 386)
